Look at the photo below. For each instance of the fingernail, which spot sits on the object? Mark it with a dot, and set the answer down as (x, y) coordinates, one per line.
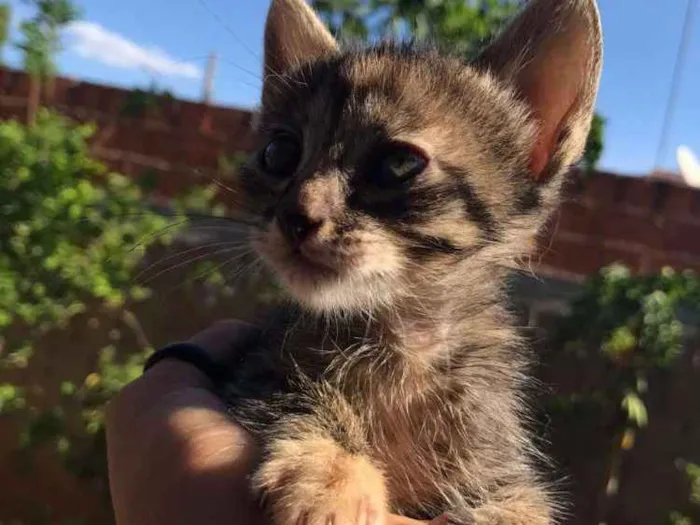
(371, 516)
(443, 519)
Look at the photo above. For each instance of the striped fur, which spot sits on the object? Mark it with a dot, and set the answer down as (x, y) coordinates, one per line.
(395, 381)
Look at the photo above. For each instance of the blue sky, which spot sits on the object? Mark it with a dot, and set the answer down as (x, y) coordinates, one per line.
(134, 42)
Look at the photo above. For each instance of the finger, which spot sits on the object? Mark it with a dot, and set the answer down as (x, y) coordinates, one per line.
(443, 519)
(394, 519)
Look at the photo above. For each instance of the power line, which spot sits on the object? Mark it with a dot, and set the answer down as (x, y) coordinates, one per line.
(675, 82)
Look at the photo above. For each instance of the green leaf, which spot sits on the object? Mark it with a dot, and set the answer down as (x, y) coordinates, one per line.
(635, 409)
(621, 341)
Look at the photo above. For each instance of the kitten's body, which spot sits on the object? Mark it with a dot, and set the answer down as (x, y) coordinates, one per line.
(445, 434)
(397, 386)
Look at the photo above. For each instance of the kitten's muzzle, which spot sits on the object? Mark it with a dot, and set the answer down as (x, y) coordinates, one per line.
(297, 227)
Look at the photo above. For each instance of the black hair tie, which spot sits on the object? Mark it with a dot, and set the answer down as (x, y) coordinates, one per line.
(192, 354)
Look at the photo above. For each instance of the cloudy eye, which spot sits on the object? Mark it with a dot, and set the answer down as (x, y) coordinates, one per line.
(281, 156)
(401, 162)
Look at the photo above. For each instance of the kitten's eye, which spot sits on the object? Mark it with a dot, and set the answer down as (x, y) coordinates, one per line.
(281, 156)
(401, 163)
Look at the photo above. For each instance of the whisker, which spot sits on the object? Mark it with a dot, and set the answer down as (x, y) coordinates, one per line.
(223, 186)
(205, 274)
(215, 180)
(220, 228)
(185, 263)
(187, 215)
(246, 269)
(155, 235)
(182, 253)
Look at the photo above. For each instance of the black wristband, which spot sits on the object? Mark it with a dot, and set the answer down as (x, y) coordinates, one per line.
(192, 354)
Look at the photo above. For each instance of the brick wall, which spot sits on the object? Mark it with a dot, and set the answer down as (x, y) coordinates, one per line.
(180, 144)
(644, 222)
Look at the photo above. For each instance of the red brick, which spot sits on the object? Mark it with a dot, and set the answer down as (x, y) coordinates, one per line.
(192, 115)
(16, 84)
(125, 139)
(202, 153)
(206, 124)
(681, 237)
(695, 205)
(610, 255)
(155, 143)
(569, 256)
(617, 224)
(679, 203)
(640, 193)
(598, 188)
(232, 123)
(170, 109)
(60, 90)
(586, 258)
(575, 217)
(112, 101)
(13, 112)
(658, 262)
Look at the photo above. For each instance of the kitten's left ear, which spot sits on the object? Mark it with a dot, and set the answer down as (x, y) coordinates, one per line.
(552, 55)
(294, 35)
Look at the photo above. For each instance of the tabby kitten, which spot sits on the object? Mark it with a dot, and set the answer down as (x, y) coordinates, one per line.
(395, 189)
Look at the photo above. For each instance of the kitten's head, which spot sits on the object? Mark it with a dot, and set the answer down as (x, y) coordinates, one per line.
(381, 168)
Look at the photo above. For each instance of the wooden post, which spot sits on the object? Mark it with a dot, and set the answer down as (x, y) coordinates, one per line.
(208, 91)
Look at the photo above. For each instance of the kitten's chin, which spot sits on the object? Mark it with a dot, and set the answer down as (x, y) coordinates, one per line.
(344, 294)
(322, 289)
(344, 286)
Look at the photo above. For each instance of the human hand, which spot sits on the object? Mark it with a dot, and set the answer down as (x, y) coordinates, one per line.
(174, 454)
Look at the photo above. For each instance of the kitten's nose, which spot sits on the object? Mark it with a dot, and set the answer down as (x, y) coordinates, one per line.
(296, 226)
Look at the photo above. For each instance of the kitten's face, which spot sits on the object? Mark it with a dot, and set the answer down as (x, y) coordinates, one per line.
(378, 169)
(382, 170)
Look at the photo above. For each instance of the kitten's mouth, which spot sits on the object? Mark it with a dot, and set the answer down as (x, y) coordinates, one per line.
(322, 264)
(328, 274)
(307, 264)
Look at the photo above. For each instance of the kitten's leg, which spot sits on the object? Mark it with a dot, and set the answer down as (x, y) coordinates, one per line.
(314, 472)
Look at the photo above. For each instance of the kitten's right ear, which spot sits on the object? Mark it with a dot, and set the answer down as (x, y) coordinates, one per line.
(552, 55)
(294, 35)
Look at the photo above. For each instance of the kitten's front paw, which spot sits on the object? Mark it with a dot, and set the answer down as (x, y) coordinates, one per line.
(315, 482)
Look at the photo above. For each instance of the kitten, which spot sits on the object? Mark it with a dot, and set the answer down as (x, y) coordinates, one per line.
(394, 188)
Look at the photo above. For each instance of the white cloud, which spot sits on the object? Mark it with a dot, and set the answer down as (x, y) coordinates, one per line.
(91, 40)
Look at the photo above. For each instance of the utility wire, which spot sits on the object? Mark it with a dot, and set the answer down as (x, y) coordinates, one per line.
(675, 82)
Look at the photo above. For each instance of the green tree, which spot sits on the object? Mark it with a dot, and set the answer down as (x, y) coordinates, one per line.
(594, 144)
(463, 26)
(634, 323)
(692, 473)
(63, 231)
(71, 236)
(459, 25)
(5, 19)
(41, 43)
